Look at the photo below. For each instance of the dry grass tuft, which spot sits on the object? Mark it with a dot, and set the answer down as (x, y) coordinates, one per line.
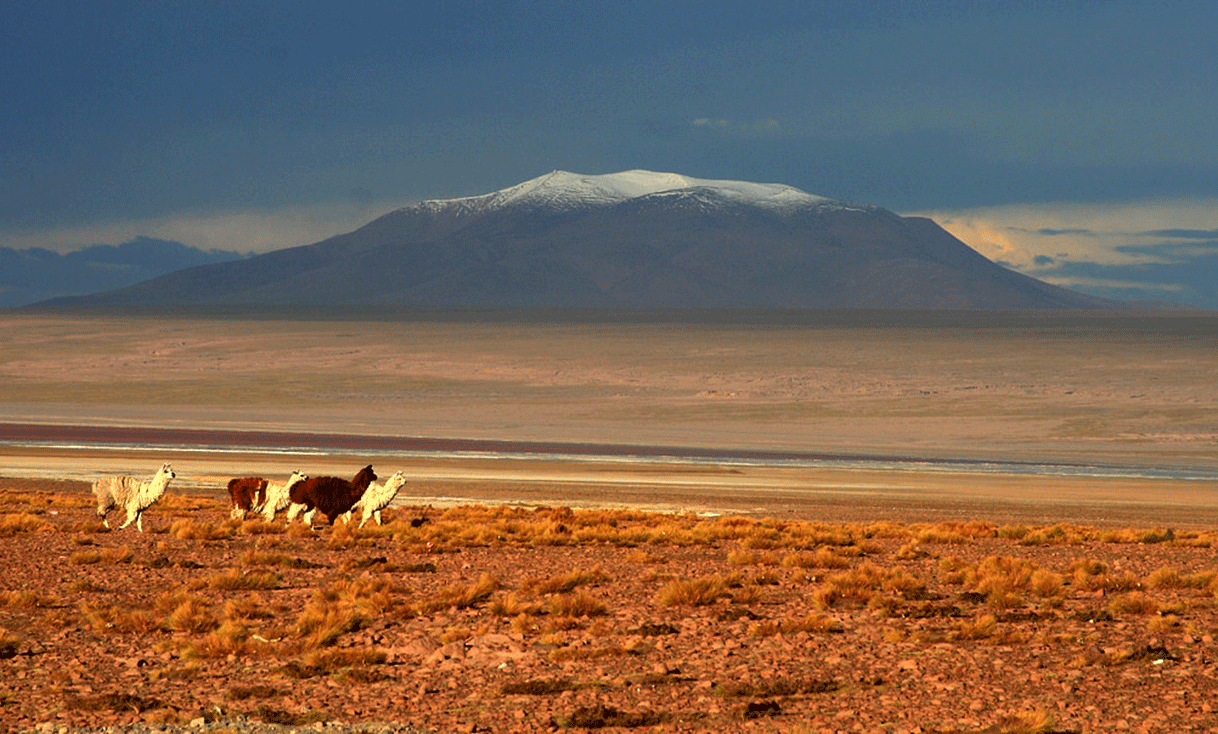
(27, 599)
(1039, 721)
(236, 579)
(693, 592)
(813, 624)
(108, 555)
(462, 596)
(580, 604)
(22, 522)
(564, 583)
(190, 529)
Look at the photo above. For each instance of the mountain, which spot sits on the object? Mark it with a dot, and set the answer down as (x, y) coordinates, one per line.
(636, 239)
(32, 275)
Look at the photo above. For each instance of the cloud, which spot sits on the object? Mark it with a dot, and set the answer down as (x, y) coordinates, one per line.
(1153, 250)
(1187, 234)
(752, 130)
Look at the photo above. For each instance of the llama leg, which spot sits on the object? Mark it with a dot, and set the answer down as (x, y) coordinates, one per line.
(131, 515)
(293, 510)
(139, 520)
(377, 515)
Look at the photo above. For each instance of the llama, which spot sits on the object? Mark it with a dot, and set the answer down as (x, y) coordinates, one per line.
(378, 498)
(247, 493)
(131, 494)
(277, 495)
(332, 495)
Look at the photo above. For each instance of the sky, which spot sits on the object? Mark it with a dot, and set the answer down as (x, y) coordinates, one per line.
(1073, 141)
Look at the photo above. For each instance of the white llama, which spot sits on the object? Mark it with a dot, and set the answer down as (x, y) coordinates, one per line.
(378, 498)
(132, 494)
(277, 497)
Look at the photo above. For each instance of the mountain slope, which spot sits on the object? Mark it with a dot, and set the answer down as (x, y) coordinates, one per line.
(636, 239)
(31, 275)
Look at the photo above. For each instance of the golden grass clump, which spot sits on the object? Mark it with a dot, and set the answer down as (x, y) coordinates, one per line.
(27, 599)
(232, 637)
(1170, 578)
(187, 613)
(1038, 721)
(23, 522)
(511, 605)
(121, 621)
(462, 596)
(580, 604)
(823, 557)
(812, 624)
(857, 586)
(1134, 602)
(693, 592)
(190, 529)
(107, 555)
(563, 583)
(252, 606)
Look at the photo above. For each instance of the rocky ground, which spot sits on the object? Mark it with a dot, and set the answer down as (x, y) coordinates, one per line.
(491, 618)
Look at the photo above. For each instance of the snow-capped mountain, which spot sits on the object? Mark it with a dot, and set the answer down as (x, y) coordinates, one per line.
(635, 239)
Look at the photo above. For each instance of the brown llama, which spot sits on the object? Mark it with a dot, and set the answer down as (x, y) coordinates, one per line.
(334, 496)
(246, 493)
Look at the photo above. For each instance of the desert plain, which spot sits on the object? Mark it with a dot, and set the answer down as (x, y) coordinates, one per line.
(841, 521)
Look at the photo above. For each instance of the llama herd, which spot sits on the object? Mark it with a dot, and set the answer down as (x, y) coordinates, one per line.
(334, 496)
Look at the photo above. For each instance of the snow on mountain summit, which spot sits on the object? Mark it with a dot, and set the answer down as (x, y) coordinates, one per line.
(565, 190)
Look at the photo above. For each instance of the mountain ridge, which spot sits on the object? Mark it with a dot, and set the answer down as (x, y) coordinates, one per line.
(634, 239)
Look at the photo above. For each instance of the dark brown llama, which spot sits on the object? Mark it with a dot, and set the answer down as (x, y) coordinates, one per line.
(333, 496)
(247, 493)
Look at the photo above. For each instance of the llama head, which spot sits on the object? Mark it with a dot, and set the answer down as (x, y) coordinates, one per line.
(297, 476)
(396, 481)
(166, 471)
(365, 477)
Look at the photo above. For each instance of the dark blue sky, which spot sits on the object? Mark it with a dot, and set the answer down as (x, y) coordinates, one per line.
(256, 125)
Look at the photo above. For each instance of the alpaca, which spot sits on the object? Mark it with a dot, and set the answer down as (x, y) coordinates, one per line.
(378, 498)
(332, 495)
(247, 493)
(131, 494)
(277, 495)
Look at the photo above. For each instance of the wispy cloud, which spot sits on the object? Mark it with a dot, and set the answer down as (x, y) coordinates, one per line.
(752, 129)
(1142, 250)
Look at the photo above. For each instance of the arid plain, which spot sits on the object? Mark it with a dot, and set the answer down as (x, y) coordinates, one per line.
(1041, 388)
(934, 429)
